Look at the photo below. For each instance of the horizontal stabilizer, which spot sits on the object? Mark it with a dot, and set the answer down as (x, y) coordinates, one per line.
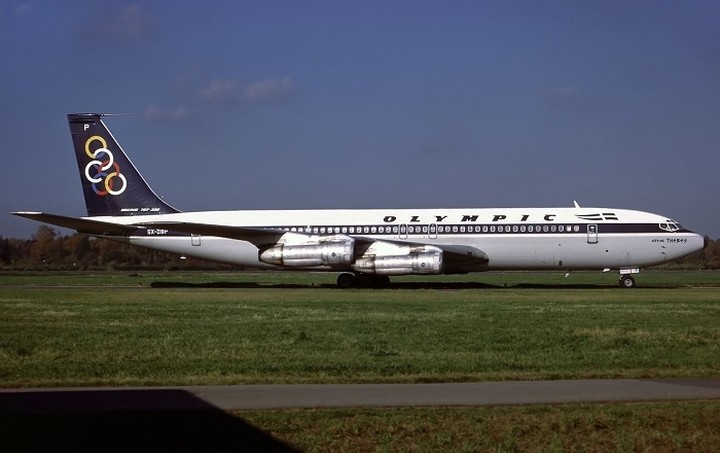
(85, 226)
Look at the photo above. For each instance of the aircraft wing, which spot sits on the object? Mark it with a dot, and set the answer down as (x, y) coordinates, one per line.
(249, 234)
(458, 256)
(85, 226)
(463, 256)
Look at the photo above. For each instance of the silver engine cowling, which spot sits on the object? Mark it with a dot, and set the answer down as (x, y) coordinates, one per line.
(430, 262)
(329, 253)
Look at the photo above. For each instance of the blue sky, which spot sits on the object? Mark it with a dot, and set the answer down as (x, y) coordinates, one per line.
(417, 104)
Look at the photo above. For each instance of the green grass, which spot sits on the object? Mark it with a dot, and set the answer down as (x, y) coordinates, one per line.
(120, 335)
(595, 428)
(81, 329)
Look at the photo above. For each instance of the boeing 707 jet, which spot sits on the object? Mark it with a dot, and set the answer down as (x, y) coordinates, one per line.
(365, 247)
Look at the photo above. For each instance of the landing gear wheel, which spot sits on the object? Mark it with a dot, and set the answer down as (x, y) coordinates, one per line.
(346, 281)
(627, 281)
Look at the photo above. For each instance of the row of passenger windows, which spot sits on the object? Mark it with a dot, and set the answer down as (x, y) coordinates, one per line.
(436, 229)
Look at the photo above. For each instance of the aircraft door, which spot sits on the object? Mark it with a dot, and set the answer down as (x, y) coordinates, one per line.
(195, 240)
(403, 231)
(432, 231)
(592, 233)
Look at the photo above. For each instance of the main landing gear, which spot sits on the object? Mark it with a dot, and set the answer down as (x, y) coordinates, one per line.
(348, 280)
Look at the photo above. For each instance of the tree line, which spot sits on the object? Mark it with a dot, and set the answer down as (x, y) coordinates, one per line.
(49, 250)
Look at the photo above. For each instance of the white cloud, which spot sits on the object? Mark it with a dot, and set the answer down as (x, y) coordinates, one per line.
(268, 90)
(230, 90)
(221, 91)
(155, 113)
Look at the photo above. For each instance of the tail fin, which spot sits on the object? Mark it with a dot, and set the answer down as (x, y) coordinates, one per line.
(112, 186)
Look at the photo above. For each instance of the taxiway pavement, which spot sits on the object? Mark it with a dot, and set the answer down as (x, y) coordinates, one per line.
(250, 397)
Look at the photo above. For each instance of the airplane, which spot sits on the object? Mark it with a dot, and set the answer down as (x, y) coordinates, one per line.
(365, 247)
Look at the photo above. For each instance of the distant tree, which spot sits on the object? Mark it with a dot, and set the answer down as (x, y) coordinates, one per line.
(5, 250)
(710, 255)
(78, 251)
(46, 250)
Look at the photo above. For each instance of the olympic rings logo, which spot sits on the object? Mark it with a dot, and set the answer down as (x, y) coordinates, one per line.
(103, 172)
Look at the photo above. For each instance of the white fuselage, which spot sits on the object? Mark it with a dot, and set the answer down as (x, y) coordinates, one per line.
(515, 238)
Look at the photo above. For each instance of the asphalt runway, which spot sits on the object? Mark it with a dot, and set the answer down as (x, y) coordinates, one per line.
(252, 397)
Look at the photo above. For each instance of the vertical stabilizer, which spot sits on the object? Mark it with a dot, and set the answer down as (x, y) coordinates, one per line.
(111, 184)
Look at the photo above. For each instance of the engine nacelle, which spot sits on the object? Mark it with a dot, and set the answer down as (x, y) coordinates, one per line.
(414, 263)
(330, 253)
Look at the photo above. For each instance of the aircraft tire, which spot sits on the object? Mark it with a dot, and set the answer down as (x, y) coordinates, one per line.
(346, 281)
(627, 281)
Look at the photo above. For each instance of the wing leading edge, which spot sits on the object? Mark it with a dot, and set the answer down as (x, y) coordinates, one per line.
(81, 225)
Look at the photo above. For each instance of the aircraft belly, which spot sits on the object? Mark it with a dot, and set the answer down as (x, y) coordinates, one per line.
(211, 248)
(567, 253)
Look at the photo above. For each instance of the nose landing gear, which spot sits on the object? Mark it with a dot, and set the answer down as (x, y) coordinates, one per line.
(627, 281)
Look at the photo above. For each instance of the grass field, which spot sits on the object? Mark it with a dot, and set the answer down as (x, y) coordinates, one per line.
(171, 329)
(57, 331)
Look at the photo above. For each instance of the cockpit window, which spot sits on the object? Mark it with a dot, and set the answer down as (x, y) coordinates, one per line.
(670, 226)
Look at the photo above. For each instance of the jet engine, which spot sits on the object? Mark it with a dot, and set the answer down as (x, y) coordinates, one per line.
(328, 253)
(425, 262)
